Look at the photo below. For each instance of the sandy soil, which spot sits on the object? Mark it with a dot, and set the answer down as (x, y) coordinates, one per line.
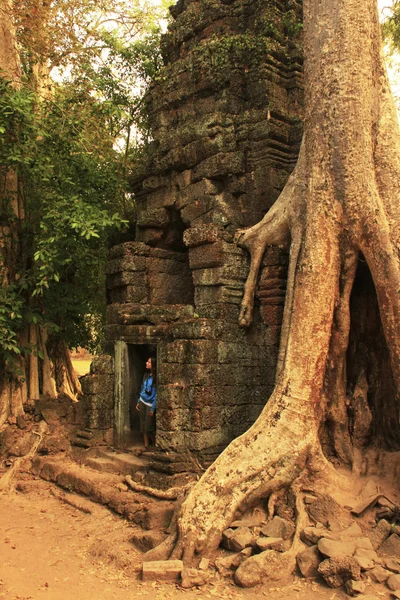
(52, 551)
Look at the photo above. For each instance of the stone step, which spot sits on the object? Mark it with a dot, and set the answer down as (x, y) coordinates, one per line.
(124, 463)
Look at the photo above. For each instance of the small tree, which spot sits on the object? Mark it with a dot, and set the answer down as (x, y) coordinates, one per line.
(339, 217)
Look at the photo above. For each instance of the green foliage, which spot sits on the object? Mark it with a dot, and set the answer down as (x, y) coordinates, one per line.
(391, 27)
(67, 139)
(70, 172)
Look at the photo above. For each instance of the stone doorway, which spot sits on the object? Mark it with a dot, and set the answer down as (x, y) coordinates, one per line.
(130, 360)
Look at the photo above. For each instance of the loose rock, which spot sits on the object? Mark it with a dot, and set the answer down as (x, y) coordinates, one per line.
(269, 543)
(162, 570)
(391, 546)
(380, 533)
(308, 561)
(279, 527)
(393, 582)
(379, 574)
(353, 588)
(336, 571)
(268, 565)
(392, 564)
(193, 578)
(334, 548)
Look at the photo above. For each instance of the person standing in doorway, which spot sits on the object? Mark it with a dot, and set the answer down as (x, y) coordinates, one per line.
(146, 404)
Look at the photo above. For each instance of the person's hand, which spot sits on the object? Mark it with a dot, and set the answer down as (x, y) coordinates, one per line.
(151, 413)
(137, 407)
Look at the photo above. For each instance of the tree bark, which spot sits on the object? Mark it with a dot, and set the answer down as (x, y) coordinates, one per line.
(340, 206)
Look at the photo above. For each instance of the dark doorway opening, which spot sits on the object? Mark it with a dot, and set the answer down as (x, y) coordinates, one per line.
(137, 356)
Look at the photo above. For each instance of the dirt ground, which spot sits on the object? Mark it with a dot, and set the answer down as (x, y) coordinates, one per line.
(50, 550)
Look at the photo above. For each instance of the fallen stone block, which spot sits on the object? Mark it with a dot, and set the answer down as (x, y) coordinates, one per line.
(392, 564)
(365, 563)
(193, 578)
(308, 561)
(204, 563)
(335, 548)
(369, 554)
(238, 539)
(312, 535)
(393, 583)
(379, 574)
(279, 527)
(268, 566)
(336, 571)
(391, 546)
(162, 570)
(380, 533)
(269, 543)
(353, 588)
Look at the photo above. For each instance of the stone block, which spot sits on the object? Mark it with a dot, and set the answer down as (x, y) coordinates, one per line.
(237, 539)
(127, 263)
(98, 419)
(102, 365)
(353, 588)
(308, 561)
(335, 548)
(312, 535)
(171, 289)
(336, 571)
(191, 351)
(194, 578)
(162, 570)
(380, 533)
(223, 163)
(391, 546)
(157, 218)
(202, 234)
(379, 574)
(269, 543)
(134, 278)
(129, 293)
(279, 527)
(97, 384)
(393, 582)
(99, 401)
(392, 564)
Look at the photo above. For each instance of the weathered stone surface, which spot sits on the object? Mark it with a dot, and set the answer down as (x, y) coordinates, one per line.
(279, 527)
(162, 570)
(308, 561)
(204, 563)
(392, 564)
(268, 566)
(237, 539)
(353, 588)
(269, 543)
(365, 553)
(335, 548)
(328, 512)
(312, 535)
(379, 534)
(365, 563)
(336, 571)
(379, 574)
(391, 546)
(194, 578)
(393, 582)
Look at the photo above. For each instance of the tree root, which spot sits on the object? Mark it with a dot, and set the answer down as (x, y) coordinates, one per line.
(170, 494)
(6, 479)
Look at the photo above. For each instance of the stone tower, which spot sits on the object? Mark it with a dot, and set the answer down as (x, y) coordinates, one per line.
(225, 117)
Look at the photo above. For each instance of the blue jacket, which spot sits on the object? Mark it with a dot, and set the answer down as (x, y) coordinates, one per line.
(148, 392)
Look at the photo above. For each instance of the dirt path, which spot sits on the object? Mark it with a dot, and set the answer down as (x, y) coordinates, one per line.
(52, 551)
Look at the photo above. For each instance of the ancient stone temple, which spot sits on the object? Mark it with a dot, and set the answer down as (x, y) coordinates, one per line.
(225, 122)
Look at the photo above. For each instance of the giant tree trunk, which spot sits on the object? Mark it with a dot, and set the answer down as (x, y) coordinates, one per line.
(339, 207)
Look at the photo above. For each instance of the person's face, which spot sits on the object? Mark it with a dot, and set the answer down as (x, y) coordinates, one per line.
(148, 364)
